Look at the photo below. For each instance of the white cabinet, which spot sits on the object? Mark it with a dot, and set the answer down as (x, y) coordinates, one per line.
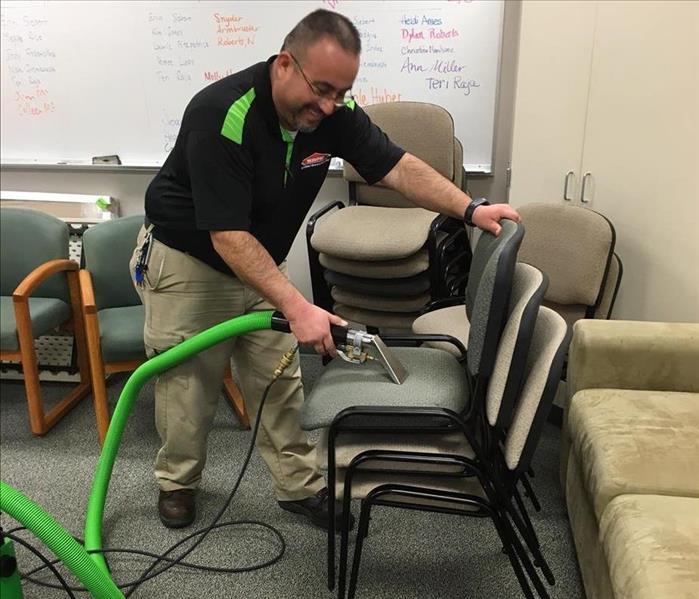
(553, 77)
(608, 91)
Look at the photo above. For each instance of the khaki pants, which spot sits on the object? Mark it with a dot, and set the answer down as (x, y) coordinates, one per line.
(183, 296)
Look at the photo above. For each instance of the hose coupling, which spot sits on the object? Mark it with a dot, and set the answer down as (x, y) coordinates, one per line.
(285, 362)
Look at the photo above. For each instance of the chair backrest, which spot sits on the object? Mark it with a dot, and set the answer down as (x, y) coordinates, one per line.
(488, 293)
(610, 288)
(426, 131)
(29, 238)
(544, 364)
(107, 249)
(528, 288)
(573, 246)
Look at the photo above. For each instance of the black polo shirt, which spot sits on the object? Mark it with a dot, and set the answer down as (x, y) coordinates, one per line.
(233, 168)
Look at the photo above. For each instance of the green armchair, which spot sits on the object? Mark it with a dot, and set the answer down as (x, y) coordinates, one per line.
(38, 293)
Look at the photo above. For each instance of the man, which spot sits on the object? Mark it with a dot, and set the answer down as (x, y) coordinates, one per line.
(223, 212)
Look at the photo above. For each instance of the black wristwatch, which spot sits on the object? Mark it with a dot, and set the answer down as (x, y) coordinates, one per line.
(468, 215)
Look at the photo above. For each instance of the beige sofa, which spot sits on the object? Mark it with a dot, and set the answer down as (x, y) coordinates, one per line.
(630, 458)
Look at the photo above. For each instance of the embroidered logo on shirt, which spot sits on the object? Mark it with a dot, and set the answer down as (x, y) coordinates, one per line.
(315, 159)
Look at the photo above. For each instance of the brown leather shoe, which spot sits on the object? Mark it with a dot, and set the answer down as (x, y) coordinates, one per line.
(315, 508)
(177, 508)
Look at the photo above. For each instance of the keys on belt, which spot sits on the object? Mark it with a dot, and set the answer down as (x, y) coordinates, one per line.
(141, 268)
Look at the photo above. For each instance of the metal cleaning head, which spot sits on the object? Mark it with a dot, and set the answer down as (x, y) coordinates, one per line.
(361, 346)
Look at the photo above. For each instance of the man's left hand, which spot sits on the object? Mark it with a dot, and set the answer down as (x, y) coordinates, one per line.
(489, 217)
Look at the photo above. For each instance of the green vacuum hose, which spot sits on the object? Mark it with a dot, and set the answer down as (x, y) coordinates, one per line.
(58, 540)
(91, 568)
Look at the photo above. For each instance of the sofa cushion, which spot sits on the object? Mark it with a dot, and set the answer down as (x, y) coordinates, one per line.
(631, 441)
(652, 546)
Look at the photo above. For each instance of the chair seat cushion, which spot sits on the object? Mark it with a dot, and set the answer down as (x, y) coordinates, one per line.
(630, 441)
(409, 286)
(384, 304)
(445, 321)
(376, 318)
(434, 379)
(372, 233)
(651, 543)
(121, 333)
(384, 269)
(46, 314)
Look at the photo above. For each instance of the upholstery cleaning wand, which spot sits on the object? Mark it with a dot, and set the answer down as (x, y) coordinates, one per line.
(355, 346)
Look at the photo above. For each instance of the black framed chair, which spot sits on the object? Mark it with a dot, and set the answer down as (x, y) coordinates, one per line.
(528, 288)
(468, 481)
(438, 382)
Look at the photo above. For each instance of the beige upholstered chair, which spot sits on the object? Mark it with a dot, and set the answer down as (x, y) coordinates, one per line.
(380, 260)
(574, 247)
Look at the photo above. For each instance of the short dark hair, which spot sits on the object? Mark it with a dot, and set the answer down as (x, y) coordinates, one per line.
(323, 23)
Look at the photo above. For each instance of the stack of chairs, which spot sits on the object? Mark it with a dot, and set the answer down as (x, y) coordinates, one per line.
(460, 432)
(381, 260)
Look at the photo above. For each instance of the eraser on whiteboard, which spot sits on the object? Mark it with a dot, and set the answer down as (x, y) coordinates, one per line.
(113, 159)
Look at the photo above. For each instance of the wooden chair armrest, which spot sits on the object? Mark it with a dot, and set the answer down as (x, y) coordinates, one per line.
(87, 292)
(39, 275)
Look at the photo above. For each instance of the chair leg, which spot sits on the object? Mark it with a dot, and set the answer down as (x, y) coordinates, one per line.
(525, 516)
(99, 400)
(35, 402)
(79, 332)
(529, 492)
(362, 531)
(97, 374)
(526, 529)
(514, 562)
(514, 541)
(331, 510)
(344, 533)
(236, 398)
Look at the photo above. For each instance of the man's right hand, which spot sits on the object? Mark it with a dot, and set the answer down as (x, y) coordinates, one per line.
(311, 326)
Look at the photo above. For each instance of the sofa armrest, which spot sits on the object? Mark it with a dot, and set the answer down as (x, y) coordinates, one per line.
(624, 354)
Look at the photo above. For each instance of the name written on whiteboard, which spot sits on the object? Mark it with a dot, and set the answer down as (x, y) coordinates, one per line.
(30, 64)
(438, 66)
(460, 83)
(232, 31)
(432, 33)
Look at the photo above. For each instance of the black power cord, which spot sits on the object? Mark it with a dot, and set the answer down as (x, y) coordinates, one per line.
(47, 563)
(148, 574)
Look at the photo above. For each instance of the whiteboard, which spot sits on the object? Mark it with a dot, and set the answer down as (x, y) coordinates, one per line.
(92, 78)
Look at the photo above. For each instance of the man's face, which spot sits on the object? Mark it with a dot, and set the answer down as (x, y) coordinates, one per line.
(313, 83)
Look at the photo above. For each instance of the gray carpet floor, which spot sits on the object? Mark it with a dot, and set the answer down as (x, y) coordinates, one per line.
(407, 554)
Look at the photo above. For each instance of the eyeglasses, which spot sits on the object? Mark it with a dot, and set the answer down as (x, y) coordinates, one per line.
(338, 99)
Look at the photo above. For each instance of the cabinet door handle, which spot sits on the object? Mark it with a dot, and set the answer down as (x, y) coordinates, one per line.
(583, 199)
(565, 186)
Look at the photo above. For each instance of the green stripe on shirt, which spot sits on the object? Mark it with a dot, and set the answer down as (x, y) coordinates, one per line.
(235, 118)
